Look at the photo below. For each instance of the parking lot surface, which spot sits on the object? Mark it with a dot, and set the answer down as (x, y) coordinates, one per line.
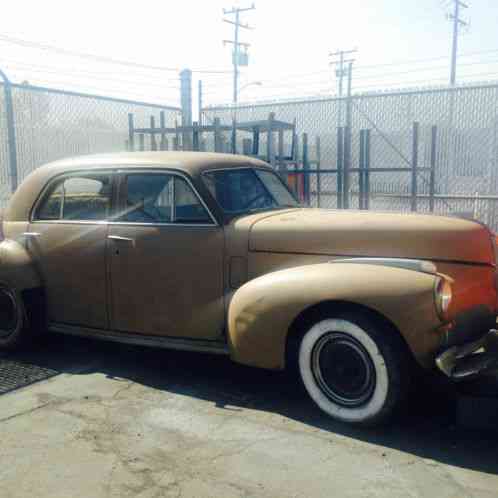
(106, 420)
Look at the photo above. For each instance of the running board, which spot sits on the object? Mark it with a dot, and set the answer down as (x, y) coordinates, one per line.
(199, 346)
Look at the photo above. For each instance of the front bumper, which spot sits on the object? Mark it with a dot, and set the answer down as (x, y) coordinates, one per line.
(472, 359)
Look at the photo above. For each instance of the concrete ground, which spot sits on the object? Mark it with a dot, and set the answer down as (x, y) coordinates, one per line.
(121, 421)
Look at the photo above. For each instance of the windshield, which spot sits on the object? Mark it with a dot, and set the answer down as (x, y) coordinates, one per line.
(247, 190)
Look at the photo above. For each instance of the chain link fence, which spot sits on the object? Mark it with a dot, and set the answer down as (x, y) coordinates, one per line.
(51, 124)
(465, 149)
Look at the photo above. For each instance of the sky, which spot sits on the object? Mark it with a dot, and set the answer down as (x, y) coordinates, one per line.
(399, 44)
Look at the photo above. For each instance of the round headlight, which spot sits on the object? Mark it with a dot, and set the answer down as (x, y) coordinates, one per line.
(443, 295)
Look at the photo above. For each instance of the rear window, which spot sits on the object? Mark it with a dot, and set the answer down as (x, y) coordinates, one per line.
(79, 198)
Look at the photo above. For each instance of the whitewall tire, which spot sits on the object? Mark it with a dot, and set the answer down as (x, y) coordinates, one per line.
(352, 368)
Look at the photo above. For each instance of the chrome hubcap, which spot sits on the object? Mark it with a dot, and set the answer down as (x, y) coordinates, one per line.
(343, 369)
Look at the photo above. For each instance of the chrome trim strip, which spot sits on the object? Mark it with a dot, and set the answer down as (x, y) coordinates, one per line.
(120, 239)
(407, 264)
(180, 344)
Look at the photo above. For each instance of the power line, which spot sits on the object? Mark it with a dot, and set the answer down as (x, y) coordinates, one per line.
(98, 58)
(88, 74)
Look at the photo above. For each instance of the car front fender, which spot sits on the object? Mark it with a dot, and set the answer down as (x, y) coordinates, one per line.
(263, 310)
(17, 269)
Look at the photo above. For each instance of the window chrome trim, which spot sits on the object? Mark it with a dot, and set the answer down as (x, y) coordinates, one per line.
(115, 171)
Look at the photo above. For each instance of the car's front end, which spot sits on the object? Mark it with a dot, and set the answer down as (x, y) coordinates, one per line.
(470, 341)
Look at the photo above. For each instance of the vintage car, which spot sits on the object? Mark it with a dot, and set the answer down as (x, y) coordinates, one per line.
(212, 253)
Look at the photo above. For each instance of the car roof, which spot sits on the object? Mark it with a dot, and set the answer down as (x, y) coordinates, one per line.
(191, 163)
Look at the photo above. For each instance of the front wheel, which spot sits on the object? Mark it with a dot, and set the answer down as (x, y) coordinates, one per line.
(354, 368)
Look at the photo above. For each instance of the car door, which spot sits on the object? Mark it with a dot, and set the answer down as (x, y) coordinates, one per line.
(67, 241)
(166, 259)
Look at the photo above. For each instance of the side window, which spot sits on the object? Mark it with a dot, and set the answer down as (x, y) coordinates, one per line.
(79, 198)
(149, 198)
(161, 198)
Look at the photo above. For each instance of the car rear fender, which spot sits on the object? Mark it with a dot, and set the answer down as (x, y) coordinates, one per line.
(17, 269)
(263, 310)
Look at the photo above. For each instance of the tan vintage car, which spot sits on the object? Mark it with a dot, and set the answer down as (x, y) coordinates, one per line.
(212, 253)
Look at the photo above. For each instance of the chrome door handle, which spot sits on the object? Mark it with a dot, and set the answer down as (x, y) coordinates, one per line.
(117, 238)
(31, 234)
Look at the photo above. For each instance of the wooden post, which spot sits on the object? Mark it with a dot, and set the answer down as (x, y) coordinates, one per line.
(153, 143)
(163, 144)
(414, 166)
(432, 187)
(270, 154)
(217, 135)
(131, 132)
(282, 167)
(318, 174)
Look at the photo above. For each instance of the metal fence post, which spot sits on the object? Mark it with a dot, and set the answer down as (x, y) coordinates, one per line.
(306, 167)
(367, 168)
(153, 143)
(346, 167)
(163, 144)
(131, 133)
(270, 154)
(318, 174)
(176, 139)
(414, 166)
(11, 132)
(234, 136)
(282, 167)
(217, 135)
(195, 136)
(340, 158)
(361, 167)
(432, 186)
(141, 140)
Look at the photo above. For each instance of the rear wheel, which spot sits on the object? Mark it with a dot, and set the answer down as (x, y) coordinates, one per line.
(354, 367)
(14, 325)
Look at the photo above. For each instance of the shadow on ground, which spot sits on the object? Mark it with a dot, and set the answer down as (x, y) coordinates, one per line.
(427, 428)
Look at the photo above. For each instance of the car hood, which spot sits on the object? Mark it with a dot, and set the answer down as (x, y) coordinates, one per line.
(362, 233)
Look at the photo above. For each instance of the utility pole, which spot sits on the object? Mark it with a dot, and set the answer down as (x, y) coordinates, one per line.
(340, 72)
(236, 55)
(457, 22)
